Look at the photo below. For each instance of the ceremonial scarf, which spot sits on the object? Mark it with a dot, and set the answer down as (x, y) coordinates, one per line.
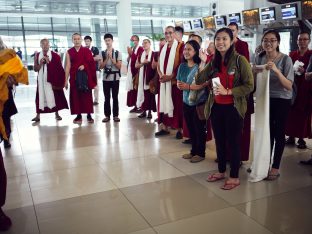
(142, 76)
(262, 145)
(165, 99)
(129, 83)
(45, 91)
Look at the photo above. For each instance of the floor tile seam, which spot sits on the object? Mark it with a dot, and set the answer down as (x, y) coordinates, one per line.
(263, 226)
(30, 190)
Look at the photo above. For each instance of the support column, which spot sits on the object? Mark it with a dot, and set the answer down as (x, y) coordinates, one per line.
(124, 26)
(96, 32)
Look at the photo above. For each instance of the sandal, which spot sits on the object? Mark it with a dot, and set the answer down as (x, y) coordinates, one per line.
(214, 177)
(229, 186)
(271, 177)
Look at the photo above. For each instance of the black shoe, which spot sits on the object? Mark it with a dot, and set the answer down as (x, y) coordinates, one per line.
(307, 162)
(290, 141)
(5, 222)
(134, 110)
(78, 119)
(179, 135)
(142, 115)
(301, 144)
(187, 141)
(89, 118)
(7, 144)
(162, 133)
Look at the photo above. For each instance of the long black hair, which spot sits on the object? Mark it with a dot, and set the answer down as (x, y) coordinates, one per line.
(276, 34)
(196, 47)
(218, 56)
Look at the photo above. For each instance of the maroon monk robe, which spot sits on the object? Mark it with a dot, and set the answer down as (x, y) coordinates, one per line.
(177, 96)
(132, 94)
(299, 118)
(81, 102)
(3, 181)
(149, 103)
(242, 48)
(56, 77)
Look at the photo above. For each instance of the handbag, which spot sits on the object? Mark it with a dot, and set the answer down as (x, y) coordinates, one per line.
(82, 81)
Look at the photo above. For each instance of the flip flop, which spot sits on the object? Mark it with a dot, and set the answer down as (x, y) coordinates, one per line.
(213, 177)
(229, 186)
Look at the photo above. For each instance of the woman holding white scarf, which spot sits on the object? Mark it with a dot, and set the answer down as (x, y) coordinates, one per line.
(145, 99)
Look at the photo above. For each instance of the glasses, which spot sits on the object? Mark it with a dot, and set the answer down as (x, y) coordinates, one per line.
(269, 41)
(168, 33)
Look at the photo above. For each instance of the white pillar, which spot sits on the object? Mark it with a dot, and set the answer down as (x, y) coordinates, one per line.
(124, 24)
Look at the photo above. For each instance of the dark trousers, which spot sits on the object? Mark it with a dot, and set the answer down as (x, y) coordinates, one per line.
(279, 109)
(107, 87)
(227, 126)
(197, 130)
(3, 181)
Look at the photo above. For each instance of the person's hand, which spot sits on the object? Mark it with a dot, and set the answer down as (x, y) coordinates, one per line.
(202, 55)
(47, 59)
(129, 50)
(271, 66)
(42, 61)
(182, 86)
(219, 90)
(308, 76)
(81, 67)
(301, 69)
(145, 61)
(257, 69)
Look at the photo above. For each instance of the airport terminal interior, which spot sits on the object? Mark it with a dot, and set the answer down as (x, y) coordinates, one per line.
(117, 177)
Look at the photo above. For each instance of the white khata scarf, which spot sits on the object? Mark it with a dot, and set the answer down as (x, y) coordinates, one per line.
(165, 99)
(142, 84)
(45, 91)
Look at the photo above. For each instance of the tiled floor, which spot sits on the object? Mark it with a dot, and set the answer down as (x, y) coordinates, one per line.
(117, 178)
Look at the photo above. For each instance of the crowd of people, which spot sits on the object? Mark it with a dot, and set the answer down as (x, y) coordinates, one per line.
(194, 91)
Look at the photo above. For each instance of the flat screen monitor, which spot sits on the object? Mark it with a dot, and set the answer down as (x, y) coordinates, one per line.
(197, 24)
(251, 17)
(267, 14)
(289, 11)
(187, 26)
(306, 9)
(235, 18)
(220, 21)
(209, 22)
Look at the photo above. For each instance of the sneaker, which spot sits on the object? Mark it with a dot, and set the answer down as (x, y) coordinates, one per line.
(162, 133)
(179, 135)
(187, 141)
(290, 141)
(187, 156)
(116, 119)
(78, 120)
(196, 159)
(90, 119)
(105, 120)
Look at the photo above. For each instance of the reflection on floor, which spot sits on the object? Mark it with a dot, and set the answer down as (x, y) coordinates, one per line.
(117, 178)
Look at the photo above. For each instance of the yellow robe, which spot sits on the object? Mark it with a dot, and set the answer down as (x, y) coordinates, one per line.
(10, 65)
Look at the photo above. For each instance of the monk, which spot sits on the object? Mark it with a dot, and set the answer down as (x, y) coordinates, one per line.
(12, 72)
(51, 80)
(133, 51)
(170, 104)
(241, 47)
(145, 99)
(299, 117)
(80, 58)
